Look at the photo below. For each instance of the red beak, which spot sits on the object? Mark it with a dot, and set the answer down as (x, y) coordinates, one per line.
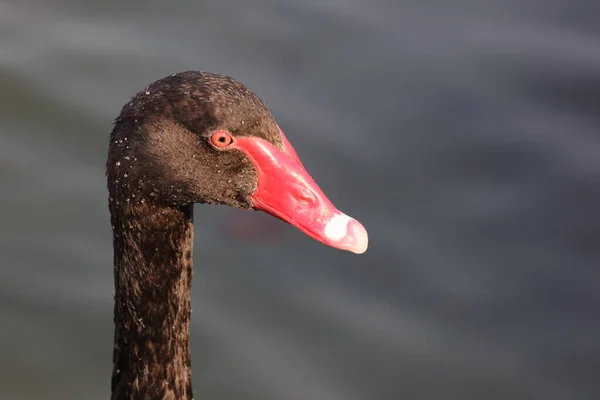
(286, 191)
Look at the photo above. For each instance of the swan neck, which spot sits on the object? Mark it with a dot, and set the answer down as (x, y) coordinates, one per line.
(153, 276)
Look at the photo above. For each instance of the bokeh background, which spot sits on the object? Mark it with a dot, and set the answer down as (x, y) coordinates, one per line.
(464, 134)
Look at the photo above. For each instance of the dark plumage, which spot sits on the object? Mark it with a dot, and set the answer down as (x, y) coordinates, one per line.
(159, 164)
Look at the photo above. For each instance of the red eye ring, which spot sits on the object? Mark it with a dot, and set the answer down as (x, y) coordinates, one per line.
(221, 139)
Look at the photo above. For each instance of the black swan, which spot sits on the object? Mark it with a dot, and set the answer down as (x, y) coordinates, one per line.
(192, 137)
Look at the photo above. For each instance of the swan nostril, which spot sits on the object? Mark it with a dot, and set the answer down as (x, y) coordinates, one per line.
(304, 195)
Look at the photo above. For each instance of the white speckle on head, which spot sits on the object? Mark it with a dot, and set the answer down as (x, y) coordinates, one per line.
(337, 227)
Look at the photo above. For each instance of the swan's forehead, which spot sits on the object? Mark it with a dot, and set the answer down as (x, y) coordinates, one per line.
(203, 102)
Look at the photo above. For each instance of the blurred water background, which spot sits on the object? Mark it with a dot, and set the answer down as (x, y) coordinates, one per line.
(463, 134)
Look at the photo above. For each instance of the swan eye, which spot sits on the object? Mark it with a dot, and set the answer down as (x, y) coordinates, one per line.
(221, 139)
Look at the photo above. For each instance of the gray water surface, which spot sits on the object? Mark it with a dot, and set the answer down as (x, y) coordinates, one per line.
(464, 135)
